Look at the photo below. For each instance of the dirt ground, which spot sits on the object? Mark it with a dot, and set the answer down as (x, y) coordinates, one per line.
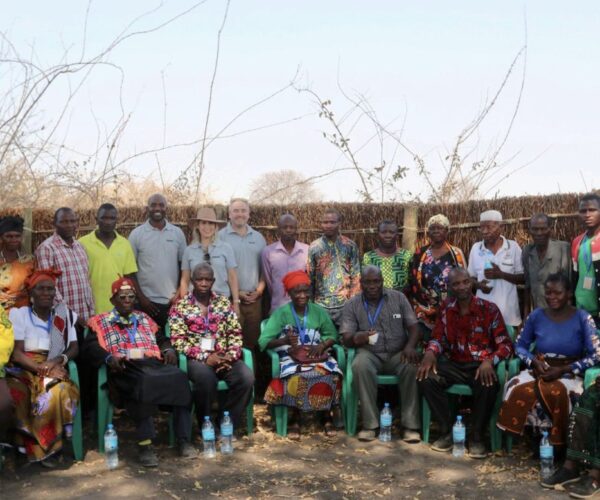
(268, 466)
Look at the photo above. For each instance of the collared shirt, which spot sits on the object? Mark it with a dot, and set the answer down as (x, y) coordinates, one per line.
(276, 263)
(158, 253)
(222, 260)
(394, 268)
(476, 336)
(73, 285)
(586, 296)
(503, 294)
(392, 323)
(107, 265)
(557, 259)
(247, 250)
(29, 328)
(334, 271)
(189, 327)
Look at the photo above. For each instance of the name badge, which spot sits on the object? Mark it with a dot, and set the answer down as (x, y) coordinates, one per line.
(135, 353)
(207, 344)
(397, 316)
(588, 283)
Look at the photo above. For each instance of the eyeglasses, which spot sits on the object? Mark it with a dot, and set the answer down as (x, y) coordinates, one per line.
(126, 296)
(206, 257)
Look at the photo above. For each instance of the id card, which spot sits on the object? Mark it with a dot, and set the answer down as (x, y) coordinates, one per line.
(135, 353)
(588, 283)
(207, 344)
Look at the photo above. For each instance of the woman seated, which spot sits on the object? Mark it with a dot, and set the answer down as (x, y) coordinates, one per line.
(301, 332)
(45, 399)
(566, 345)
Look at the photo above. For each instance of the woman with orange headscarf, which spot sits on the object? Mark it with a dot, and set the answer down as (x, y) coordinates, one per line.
(45, 398)
(302, 332)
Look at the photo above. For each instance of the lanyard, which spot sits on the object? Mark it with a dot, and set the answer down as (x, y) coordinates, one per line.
(302, 330)
(46, 328)
(373, 319)
(587, 255)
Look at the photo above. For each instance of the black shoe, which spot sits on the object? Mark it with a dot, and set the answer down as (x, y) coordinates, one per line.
(443, 443)
(477, 450)
(147, 456)
(561, 477)
(187, 450)
(588, 487)
(52, 462)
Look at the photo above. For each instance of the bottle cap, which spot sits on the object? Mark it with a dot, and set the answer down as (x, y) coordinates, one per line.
(206, 417)
(459, 418)
(225, 413)
(387, 405)
(110, 426)
(545, 433)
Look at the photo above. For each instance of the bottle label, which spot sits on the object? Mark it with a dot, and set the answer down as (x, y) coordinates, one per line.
(111, 443)
(546, 451)
(227, 430)
(458, 434)
(385, 420)
(208, 434)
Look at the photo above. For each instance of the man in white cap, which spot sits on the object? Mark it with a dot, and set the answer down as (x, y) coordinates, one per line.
(495, 263)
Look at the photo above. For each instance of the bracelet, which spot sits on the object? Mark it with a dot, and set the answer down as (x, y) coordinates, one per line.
(65, 359)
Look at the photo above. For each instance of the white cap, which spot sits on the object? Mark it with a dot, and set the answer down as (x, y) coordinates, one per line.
(490, 215)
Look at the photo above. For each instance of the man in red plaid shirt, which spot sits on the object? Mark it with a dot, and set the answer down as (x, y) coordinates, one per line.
(468, 341)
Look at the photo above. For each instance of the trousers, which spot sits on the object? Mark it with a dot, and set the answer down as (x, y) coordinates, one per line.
(182, 423)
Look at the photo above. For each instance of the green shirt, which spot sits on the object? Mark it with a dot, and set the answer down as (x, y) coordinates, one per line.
(586, 298)
(395, 268)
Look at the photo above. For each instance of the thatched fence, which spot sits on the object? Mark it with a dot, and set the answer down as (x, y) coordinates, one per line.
(360, 220)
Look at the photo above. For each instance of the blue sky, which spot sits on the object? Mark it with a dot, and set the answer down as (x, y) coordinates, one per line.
(432, 63)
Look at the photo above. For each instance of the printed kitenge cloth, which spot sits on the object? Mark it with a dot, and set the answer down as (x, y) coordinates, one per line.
(44, 410)
(13, 276)
(584, 428)
(117, 334)
(394, 268)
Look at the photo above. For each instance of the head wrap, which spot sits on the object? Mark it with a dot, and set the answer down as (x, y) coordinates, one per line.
(294, 278)
(121, 284)
(439, 219)
(11, 223)
(42, 275)
(490, 216)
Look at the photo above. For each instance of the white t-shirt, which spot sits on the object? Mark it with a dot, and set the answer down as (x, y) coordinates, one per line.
(503, 294)
(31, 329)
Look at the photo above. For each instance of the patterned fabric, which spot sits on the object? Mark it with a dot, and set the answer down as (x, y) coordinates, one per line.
(476, 336)
(13, 275)
(429, 280)
(113, 332)
(334, 270)
(394, 268)
(7, 340)
(189, 326)
(73, 286)
(42, 411)
(584, 428)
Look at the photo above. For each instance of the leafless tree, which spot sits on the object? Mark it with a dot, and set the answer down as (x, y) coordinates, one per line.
(283, 187)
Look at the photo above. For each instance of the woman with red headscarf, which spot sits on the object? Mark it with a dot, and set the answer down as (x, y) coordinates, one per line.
(302, 332)
(45, 399)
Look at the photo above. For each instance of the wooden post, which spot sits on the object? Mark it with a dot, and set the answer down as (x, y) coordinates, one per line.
(28, 231)
(410, 226)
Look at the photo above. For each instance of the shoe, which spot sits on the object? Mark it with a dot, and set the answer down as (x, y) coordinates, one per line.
(561, 477)
(410, 436)
(147, 456)
(588, 487)
(187, 450)
(51, 462)
(443, 443)
(367, 435)
(477, 450)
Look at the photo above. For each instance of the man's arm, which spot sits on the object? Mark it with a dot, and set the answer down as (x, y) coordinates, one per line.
(354, 271)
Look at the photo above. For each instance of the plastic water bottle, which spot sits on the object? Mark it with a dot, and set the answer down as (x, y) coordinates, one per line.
(226, 434)
(487, 264)
(208, 438)
(546, 457)
(458, 438)
(111, 447)
(385, 423)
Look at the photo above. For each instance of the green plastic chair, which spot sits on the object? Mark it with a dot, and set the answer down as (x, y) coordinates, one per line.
(77, 438)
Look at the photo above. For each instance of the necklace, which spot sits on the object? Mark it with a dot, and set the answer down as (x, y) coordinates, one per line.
(4, 258)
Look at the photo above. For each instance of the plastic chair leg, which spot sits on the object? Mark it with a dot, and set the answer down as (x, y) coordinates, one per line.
(77, 439)
(426, 419)
(171, 431)
(250, 416)
(281, 420)
(351, 413)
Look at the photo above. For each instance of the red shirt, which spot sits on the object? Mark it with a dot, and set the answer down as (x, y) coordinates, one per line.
(476, 336)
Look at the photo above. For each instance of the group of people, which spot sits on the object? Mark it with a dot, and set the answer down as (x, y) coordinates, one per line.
(431, 317)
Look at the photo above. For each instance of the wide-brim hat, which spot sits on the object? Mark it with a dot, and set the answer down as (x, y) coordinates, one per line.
(207, 214)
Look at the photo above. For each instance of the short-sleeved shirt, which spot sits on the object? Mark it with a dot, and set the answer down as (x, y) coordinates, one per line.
(394, 268)
(557, 259)
(221, 260)
(107, 265)
(29, 328)
(247, 250)
(392, 323)
(158, 253)
(503, 294)
(586, 297)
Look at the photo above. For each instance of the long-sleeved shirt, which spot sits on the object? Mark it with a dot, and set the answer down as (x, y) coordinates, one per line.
(477, 336)
(334, 271)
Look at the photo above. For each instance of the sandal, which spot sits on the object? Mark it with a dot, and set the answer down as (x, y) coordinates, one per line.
(329, 429)
(294, 432)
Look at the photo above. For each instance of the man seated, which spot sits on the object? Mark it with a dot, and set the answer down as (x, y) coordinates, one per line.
(469, 339)
(207, 331)
(143, 372)
(381, 324)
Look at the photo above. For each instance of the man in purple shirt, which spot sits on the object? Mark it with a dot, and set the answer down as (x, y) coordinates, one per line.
(281, 257)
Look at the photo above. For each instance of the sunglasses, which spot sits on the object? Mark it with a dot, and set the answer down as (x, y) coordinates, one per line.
(124, 296)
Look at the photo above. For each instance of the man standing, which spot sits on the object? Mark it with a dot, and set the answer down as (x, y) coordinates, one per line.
(542, 258)
(393, 261)
(282, 257)
(333, 267)
(109, 254)
(495, 264)
(381, 324)
(469, 339)
(158, 247)
(585, 254)
(61, 251)
(247, 245)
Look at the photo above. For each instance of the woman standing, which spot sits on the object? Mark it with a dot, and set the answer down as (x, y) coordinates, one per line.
(45, 399)
(15, 266)
(205, 247)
